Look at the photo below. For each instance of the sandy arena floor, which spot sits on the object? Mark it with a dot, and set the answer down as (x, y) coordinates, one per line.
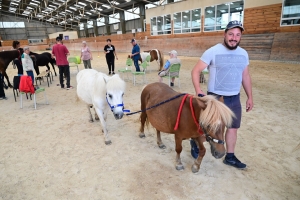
(54, 152)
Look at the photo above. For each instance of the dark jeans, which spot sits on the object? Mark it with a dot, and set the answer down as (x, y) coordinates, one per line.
(30, 73)
(2, 93)
(233, 102)
(64, 71)
(136, 64)
(110, 63)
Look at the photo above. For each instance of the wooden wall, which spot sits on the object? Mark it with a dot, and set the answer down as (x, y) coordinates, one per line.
(266, 19)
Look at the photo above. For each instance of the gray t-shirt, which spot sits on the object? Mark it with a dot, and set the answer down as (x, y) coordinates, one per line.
(225, 69)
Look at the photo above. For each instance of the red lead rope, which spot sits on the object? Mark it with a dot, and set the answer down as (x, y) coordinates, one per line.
(192, 110)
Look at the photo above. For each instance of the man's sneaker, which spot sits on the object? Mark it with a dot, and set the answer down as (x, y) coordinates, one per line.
(233, 161)
(171, 84)
(194, 149)
(71, 87)
(3, 98)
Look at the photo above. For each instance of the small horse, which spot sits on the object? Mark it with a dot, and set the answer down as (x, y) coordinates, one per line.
(5, 58)
(102, 92)
(155, 54)
(43, 59)
(180, 118)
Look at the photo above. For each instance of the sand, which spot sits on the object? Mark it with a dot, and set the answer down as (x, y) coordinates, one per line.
(54, 152)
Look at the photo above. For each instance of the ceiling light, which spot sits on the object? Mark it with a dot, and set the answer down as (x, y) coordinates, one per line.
(209, 11)
(82, 3)
(222, 11)
(106, 6)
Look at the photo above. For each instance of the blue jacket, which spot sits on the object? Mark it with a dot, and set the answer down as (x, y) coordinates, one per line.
(135, 49)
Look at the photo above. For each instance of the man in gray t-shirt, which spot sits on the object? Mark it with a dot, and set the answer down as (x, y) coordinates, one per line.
(228, 71)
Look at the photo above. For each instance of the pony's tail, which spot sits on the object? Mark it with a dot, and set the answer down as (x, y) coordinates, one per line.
(215, 114)
(161, 61)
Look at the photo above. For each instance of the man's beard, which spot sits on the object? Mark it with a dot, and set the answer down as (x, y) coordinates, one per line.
(231, 47)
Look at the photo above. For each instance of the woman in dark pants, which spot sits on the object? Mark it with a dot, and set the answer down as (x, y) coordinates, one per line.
(16, 45)
(110, 54)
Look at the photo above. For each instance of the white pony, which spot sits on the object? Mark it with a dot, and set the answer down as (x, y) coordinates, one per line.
(102, 92)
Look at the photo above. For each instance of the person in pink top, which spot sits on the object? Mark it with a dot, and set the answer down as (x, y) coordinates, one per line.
(60, 52)
(86, 56)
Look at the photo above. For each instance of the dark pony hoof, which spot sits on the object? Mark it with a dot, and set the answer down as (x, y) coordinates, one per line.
(97, 118)
(142, 135)
(162, 146)
(179, 167)
(91, 121)
(108, 142)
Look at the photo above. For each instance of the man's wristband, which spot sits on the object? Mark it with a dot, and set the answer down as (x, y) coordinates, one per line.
(200, 95)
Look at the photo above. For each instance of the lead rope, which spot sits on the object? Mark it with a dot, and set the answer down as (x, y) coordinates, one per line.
(175, 97)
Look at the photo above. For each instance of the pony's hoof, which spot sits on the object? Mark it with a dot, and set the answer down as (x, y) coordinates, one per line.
(108, 142)
(91, 121)
(142, 135)
(97, 118)
(179, 167)
(195, 169)
(162, 146)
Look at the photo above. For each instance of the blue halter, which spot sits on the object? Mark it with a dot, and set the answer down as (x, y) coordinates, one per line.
(115, 106)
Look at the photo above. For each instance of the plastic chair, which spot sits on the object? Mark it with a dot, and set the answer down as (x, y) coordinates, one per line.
(148, 58)
(34, 96)
(173, 73)
(129, 63)
(143, 73)
(73, 62)
(26, 87)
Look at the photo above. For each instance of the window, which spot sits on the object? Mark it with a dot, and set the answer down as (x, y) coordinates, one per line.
(161, 25)
(187, 21)
(129, 15)
(290, 13)
(217, 17)
(12, 25)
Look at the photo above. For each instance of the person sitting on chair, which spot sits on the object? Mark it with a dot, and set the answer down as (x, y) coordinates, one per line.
(173, 60)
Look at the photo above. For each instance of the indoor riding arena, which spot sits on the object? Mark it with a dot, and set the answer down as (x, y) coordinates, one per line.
(55, 152)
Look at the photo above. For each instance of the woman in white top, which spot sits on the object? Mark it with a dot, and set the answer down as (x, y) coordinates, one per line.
(86, 56)
(27, 63)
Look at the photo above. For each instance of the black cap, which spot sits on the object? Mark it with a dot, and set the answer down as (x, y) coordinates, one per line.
(234, 24)
(58, 39)
(133, 40)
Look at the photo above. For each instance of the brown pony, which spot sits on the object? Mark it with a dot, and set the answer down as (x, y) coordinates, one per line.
(155, 54)
(201, 118)
(5, 58)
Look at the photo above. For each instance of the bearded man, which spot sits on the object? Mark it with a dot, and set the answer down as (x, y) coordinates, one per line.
(228, 71)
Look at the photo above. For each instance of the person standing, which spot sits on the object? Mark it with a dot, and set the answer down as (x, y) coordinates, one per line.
(228, 70)
(173, 60)
(60, 52)
(86, 56)
(110, 54)
(2, 84)
(17, 61)
(27, 63)
(135, 54)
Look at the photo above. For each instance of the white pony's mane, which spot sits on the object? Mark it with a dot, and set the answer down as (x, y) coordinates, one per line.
(115, 83)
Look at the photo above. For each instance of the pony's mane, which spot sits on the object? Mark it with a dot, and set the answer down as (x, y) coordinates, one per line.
(215, 114)
(115, 83)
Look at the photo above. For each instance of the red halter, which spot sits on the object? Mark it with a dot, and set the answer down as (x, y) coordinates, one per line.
(193, 113)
